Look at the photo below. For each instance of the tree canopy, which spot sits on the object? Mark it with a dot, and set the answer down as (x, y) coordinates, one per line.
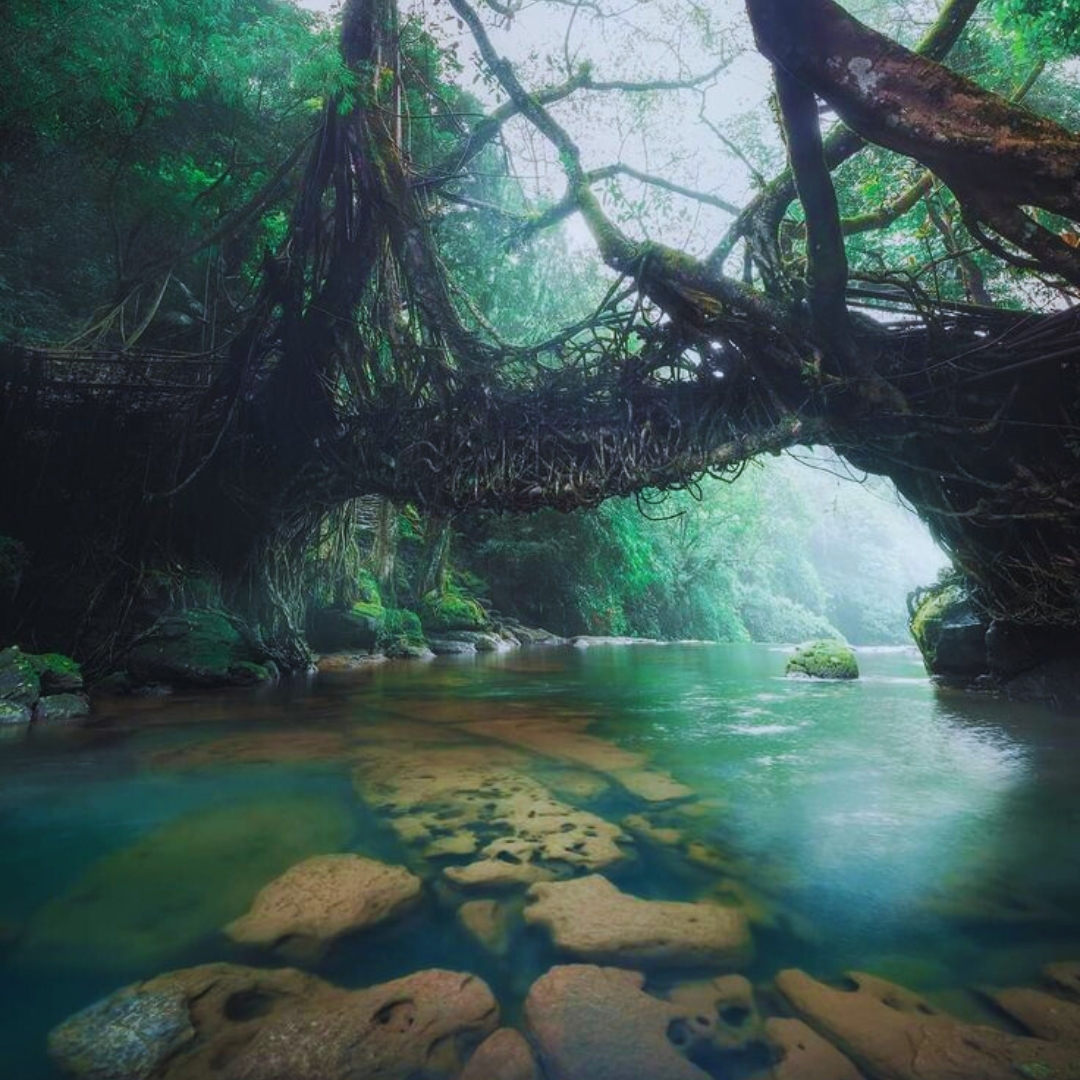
(880, 254)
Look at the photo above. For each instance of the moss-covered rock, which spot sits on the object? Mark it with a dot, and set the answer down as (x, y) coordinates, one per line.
(13, 714)
(201, 647)
(402, 634)
(55, 708)
(19, 681)
(451, 610)
(949, 631)
(824, 659)
(355, 628)
(59, 674)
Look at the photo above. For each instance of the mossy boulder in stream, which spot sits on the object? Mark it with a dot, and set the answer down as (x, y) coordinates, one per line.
(199, 647)
(451, 610)
(39, 687)
(823, 659)
(949, 631)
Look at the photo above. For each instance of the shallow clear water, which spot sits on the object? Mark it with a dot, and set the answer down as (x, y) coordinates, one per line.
(883, 825)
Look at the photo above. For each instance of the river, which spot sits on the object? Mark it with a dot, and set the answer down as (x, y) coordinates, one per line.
(883, 825)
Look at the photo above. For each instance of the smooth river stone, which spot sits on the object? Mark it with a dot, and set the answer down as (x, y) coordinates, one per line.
(590, 919)
(253, 1024)
(318, 900)
(1044, 1015)
(596, 1023)
(892, 1034)
(504, 1055)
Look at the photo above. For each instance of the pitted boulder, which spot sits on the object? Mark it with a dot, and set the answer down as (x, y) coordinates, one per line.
(880, 1026)
(251, 1024)
(322, 898)
(594, 1023)
(590, 919)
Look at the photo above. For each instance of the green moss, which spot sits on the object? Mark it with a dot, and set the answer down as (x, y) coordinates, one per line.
(57, 672)
(452, 611)
(368, 590)
(929, 611)
(200, 647)
(824, 659)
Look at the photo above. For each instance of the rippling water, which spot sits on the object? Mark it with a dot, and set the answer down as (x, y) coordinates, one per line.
(883, 825)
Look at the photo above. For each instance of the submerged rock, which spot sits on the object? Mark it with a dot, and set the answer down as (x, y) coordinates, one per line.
(804, 1054)
(479, 798)
(322, 898)
(489, 922)
(124, 1037)
(504, 1055)
(824, 659)
(228, 1022)
(722, 1012)
(597, 1023)
(590, 919)
(564, 739)
(892, 1034)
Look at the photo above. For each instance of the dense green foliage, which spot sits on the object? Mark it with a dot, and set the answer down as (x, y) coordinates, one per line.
(788, 552)
(128, 134)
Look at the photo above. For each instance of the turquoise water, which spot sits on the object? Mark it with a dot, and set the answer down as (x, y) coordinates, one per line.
(883, 825)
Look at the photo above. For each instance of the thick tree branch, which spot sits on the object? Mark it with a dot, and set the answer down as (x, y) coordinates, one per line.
(826, 260)
(996, 157)
(762, 216)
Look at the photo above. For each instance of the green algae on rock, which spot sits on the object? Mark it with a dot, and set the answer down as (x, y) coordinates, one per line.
(198, 647)
(823, 659)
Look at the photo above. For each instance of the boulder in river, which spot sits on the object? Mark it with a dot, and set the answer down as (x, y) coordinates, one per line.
(225, 1022)
(893, 1034)
(823, 659)
(302, 912)
(597, 1023)
(590, 919)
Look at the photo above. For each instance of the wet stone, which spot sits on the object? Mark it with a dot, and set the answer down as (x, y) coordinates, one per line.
(878, 1024)
(597, 1023)
(489, 922)
(318, 900)
(590, 919)
(253, 1024)
(124, 1037)
(804, 1054)
(478, 799)
(503, 1055)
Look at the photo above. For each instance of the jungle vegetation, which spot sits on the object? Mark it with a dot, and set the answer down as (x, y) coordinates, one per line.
(479, 257)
